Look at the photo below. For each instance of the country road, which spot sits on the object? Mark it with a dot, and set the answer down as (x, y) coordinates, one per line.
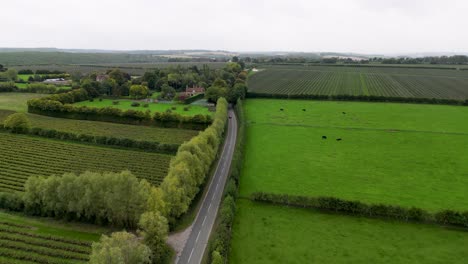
(201, 230)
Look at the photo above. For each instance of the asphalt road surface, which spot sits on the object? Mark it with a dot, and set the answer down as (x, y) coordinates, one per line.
(201, 230)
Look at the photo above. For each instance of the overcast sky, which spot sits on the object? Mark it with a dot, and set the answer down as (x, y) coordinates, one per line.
(365, 26)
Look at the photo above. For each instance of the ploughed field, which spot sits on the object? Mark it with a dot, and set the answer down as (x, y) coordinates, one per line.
(25, 156)
(94, 128)
(275, 234)
(370, 81)
(400, 154)
(25, 240)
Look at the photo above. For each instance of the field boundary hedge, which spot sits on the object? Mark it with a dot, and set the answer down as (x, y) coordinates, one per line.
(359, 98)
(61, 105)
(357, 208)
(149, 146)
(221, 236)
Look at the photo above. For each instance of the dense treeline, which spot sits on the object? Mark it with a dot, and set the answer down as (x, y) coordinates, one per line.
(360, 98)
(337, 205)
(344, 59)
(188, 170)
(117, 199)
(220, 240)
(60, 105)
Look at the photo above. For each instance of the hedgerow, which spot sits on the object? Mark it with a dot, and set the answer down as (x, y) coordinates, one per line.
(220, 240)
(360, 98)
(61, 105)
(337, 205)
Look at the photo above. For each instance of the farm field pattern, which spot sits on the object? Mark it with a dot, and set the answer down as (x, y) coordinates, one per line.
(371, 81)
(24, 156)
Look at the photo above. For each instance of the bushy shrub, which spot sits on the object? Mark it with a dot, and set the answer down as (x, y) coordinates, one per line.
(115, 102)
(186, 108)
(174, 108)
(145, 105)
(135, 104)
(17, 123)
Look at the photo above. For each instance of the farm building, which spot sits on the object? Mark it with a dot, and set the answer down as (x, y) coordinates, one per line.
(102, 77)
(191, 91)
(58, 81)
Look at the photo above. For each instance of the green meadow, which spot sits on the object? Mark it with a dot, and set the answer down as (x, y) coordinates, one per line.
(153, 107)
(275, 234)
(17, 101)
(401, 154)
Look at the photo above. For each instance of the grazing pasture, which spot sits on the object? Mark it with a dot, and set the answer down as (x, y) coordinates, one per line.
(370, 81)
(275, 234)
(153, 107)
(401, 154)
(24, 156)
(94, 128)
(17, 101)
(27, 240)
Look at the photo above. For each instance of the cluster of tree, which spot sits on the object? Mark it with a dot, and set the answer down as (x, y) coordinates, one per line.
(17, 123)
(114, 198)
(60, 105)
(447, 60)
(188, 169)
(222, 233)
(361, 98)
(138, 91)
(187, 172)
(231, 86)
(337, 205)
(2, 68)
(117, 84)
(9, 75)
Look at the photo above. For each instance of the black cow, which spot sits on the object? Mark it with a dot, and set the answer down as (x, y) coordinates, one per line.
(338, 139)
(281, 109)
(303, 110)
(344, 113)
(324, 137)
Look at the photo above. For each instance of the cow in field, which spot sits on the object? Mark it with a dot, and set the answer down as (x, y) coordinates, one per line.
(324, 137)
(338, 139)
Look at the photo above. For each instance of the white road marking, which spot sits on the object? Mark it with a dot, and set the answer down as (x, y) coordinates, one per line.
(196, 240)
(203, 221)
(190, 255)
(209, 207)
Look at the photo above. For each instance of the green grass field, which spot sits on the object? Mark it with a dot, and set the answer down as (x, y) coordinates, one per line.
(351, 80)
(24, 77)
(24, 156)
(410, 155)
(33, 240)
(145, 133)
(153, 107)
(275, 234)
(17, 101)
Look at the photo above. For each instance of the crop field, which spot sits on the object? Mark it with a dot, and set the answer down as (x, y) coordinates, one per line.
(24, 156)
(17, 101)
(374, 81)
(144, 133)
(153, 107)
(26, 240)
(276, 234)
(402, 154)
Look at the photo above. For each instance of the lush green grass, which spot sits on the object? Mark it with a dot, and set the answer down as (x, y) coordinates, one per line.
(153, 107)
(27, 240)
(21, 85)
(24, 77)
(16, 101)
(411, 155)
(144, 133)
(274, 234)
(24, 156)
(377, 81)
